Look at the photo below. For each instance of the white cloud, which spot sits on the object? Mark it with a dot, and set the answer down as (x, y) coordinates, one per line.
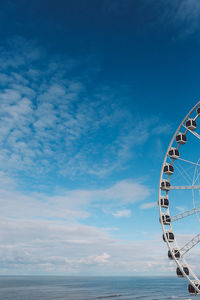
(57, 125)
(148, 205)
(124, 213)
(40, 233)
(52, 128)
(183, 15)
(181, 208)
(93, 259)
(128, 191)
(52, 247)
(70, 204)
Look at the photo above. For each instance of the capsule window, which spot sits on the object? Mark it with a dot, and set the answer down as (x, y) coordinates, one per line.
(176, 152)
(170, 255)
(188, 123)
(166, 201)
(194, 123)
(171, 168)
(177, 254)
(186, 270)
(165, 168)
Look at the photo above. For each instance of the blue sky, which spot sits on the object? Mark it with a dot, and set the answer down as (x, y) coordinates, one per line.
(91, 94)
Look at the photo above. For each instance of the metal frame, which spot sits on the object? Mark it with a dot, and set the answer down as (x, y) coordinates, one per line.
(180, 262)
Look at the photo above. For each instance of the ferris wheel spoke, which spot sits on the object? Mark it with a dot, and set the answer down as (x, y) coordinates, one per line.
(193, 132)
(188, 161)
(197, 116)
(185, 187)
(183, 173)
(189, 179)
(185, 214)
(197, 177)
(189, 245)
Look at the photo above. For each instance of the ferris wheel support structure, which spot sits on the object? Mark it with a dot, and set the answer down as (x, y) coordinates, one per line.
(175, 252)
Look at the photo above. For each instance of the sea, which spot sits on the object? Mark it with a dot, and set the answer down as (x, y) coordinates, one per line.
(86, 288)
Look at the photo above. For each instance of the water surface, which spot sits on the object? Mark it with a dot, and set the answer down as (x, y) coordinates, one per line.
(86, 288)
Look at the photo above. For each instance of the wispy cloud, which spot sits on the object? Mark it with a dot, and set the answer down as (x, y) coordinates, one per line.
(74, 249)
(148, 205)
(124, 213)
(69, 205)
(53, 127)
(184, 16)
(51, 122)
(43, 232)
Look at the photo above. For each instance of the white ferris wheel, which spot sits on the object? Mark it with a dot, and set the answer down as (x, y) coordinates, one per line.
(179, 194)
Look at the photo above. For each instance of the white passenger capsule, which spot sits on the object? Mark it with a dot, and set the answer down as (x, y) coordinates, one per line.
(164, 202)
(191, 124)
(173, 153)
(166, 219)
(169, 235)
(192, 290)
(168, 169)
(181, 138)
(180, 272)
(165, 185)
(175, 252)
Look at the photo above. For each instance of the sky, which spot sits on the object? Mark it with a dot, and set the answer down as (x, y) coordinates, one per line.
(91, 93)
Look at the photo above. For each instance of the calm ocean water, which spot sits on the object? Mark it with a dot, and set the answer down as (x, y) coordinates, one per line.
(86, 288)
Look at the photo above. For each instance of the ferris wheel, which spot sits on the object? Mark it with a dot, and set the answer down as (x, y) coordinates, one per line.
(179, 193)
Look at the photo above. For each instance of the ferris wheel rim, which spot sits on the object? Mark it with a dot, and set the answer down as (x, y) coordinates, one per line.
(175, 244)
